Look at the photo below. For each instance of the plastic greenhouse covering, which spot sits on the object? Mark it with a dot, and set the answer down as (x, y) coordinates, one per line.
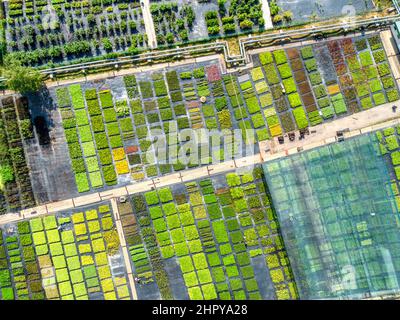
(339, 219)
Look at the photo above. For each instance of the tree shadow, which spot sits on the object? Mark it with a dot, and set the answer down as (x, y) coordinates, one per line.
(42, 110)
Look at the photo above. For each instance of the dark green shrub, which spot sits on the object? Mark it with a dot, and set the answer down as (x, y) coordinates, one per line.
(176, 96)
(97, 124)
(75, 150)
(109, 174)
(101, 141)
(213, 211)
(23, 227)
(116, 142)
(183, 123)
(180, 110)
(172, 80)
(69, 123)
(145, 89)
(139, 119)
(105, 156)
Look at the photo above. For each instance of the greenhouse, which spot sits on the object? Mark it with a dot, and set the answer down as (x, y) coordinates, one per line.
(339, 219)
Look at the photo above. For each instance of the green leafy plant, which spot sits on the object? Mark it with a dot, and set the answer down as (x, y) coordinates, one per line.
(266, 58)
(294, 100)
(285, 71)
(307, 52)
(22, 79)
(6, 175)
(300, 118)
(280, 56)
(82, 182)
(271, 74)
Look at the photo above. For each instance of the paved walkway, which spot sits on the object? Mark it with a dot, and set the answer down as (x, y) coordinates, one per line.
(301, 43)
(266, 15)
(122, 72)
(159, 66)
(358, 123)
(149, 24)
(389, 43)
(134, 187)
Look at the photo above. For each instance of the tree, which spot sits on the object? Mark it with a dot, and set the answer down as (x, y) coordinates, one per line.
(184, 35)
(91, 19)
(246, 24)
(221, 7)
(107, 44)
(6, 175)
(288, 15)
(180, 24)
(277, 18)
(274, 8)
(213, 30)
(133, 50)
(20, 78)
(170, 37)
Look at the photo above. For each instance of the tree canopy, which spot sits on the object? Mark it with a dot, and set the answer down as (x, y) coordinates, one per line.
(20, 78)
(6, 175)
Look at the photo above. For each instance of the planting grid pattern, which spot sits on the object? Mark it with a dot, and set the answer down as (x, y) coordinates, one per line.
(96, 153)
(338, 217)
(173, 22)
(71, 255)
(219, 231)
(15, 127)
(315, 83)
(39, 31)
(107, 125)
(179, 21)
(108, 132)
(81, 28)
